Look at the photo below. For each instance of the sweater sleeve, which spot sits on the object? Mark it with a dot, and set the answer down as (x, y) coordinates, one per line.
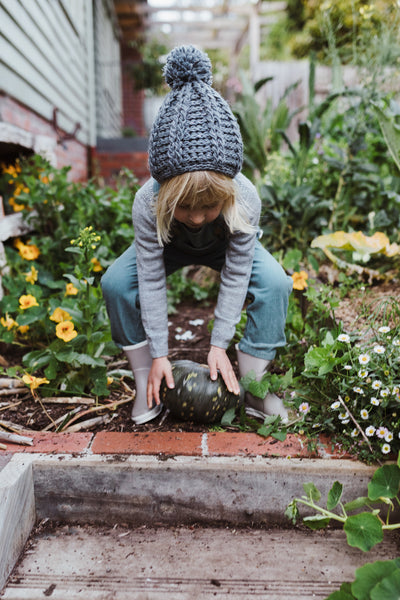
(151, 272)
(235, 274)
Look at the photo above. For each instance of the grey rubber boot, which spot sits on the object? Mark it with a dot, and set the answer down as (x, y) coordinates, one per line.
(258, 407)
(140, 361)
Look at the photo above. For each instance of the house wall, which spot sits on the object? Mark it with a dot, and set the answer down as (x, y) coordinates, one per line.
(52, 92)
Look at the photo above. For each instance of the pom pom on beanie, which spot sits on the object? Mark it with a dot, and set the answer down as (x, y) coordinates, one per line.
(195, 129)
(186, 64)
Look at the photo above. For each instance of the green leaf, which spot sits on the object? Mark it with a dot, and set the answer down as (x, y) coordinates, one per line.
(279, 435)
(342, 594)
(228, 417)
(334, 495)
(292, 512)
(385, 482)
(363, 531)
(356, 504)
(388, 588)
(369, 575)
(316, 522)
(312, 492)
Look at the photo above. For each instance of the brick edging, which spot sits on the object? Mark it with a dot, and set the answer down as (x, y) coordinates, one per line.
(174, 443)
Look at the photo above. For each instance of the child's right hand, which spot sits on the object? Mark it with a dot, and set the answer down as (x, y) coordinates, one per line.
(160, 368)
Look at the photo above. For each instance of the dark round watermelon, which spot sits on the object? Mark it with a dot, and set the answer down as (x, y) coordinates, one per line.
(195, 396)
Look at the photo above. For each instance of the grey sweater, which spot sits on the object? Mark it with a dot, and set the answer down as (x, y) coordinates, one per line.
(235, 273)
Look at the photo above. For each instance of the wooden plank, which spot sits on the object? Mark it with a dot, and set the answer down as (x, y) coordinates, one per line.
(28, 35)
(19, 51)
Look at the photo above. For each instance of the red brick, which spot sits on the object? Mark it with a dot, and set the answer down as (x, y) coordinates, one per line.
(155, 442)
(54, 443)
(252, 444)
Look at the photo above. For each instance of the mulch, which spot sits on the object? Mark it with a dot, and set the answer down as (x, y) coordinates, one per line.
(29, 413)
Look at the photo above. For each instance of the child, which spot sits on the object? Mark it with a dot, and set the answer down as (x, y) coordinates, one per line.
(197, 208)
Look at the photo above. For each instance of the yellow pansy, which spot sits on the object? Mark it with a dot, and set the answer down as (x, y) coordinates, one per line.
(300, 280)
(23, 329)
(65, 331)
(70, 290)
(8, 322)
(29, 251)
(27, 301)
(34, 382)
(32, 275)
(59, 314)
(96, 265)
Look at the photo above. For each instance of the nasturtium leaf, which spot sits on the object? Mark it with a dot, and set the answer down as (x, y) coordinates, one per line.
(312, 492)
(385, 482)
(316, 522)
(334, 495)
(388, 588)
(369, 575)
(340, 595)
(363, 531)
(228, 417)
(357, 503)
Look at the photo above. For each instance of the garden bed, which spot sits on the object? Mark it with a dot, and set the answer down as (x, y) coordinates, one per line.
(24, 411)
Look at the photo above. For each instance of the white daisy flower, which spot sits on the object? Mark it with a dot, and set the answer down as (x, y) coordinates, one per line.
(364, 359)
(343, 415)
(375, 401)
(355, 432)
(381, 432)
(384, 393)
(396, 342)
(396, 390)
(358, 390)
(384, 329)
(385, 449)
(377, 384)
(304, 408)
(335, 405)
(389, 436)
(379, 349)
(363, 373)
(369, 432)
(345, 421)
(343, 337)
(347, 367)
(364, 414)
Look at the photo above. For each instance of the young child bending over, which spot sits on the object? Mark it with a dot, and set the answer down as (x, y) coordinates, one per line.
(197, 209)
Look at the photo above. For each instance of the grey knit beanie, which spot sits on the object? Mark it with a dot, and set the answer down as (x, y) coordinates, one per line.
(195, 129)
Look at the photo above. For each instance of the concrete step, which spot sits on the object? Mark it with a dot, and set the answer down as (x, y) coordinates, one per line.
(186, 563)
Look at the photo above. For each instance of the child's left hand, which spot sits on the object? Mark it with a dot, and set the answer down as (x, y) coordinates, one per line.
(218, 360)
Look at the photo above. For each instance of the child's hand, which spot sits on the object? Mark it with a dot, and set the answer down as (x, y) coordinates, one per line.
(160, 368)
(218, 359)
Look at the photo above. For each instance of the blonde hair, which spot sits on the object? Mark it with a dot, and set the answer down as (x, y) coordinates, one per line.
(199, 189)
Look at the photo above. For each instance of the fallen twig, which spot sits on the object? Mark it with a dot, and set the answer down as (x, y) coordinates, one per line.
(15, 438)
(110, 406)
(88, 424)
(9, 382)
(12, 391)
(7, 405)
(68, 400)
(15, 427)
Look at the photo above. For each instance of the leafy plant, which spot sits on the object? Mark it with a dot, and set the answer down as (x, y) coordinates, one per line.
(364, 527)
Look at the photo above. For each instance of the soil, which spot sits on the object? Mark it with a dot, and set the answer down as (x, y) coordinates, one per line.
(23, 410)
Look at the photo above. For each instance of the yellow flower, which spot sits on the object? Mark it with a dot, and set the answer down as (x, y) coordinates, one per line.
(300, 280)
(16, 207)
(59, 315)
(27, 301)
(23, 329)
(96, 265)
(110, 380)
(65, 331)
(70, 290)
(8, 322)
(34, 382)
(29, 251)
(32, 275)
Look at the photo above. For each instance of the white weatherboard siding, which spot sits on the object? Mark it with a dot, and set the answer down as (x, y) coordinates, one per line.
(108, 71)
(47, 61)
